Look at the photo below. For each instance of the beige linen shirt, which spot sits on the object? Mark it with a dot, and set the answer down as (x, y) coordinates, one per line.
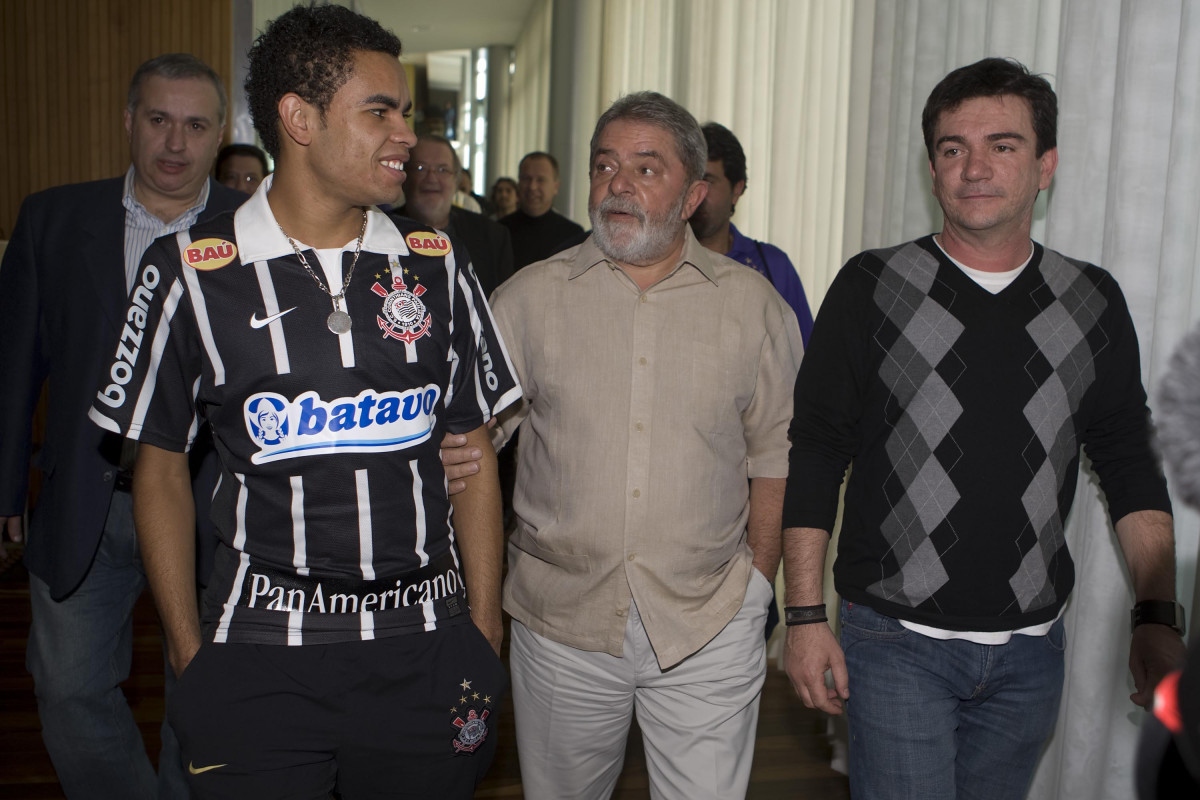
(645, 413)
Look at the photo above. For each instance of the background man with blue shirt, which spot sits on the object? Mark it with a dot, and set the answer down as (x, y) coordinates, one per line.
(725, 175)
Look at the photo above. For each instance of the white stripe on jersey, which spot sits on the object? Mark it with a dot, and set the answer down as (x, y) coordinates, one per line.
(299, 544)
(368, 624)
(410, 348)
(195, 426)
(295, 627)
(430, 618)
(239, 541)
(330, 261)
(222, 634)
(239, 533)
(366, 545)
(346, 342)
(419, 505)
(201, 310)
(266, 286)
(157, 346)
(451, 288)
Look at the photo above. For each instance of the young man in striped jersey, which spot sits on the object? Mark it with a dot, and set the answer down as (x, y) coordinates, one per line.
(349, 636)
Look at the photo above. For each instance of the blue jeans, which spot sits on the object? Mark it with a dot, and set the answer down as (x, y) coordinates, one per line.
(946, 720)
(80, 651)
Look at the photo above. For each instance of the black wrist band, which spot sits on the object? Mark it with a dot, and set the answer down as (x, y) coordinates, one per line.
(804, 615)
(1158, 612)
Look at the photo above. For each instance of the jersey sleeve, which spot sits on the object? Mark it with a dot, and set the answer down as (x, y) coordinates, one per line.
(484, 382)
(147, 392)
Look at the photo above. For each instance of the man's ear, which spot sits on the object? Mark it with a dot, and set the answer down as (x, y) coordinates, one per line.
(736, 193)
(297, 118)
(694, 197)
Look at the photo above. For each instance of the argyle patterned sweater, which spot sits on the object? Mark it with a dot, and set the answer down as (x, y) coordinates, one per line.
(963, 413)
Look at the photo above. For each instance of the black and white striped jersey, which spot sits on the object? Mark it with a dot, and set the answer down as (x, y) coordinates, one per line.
(332, 507)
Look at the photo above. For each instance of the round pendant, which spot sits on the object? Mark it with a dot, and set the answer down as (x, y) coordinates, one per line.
(338, 322)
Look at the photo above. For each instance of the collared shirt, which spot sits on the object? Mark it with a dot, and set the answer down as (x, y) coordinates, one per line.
(332, 508)
(769, 260)
(645, 412)
(142, 227)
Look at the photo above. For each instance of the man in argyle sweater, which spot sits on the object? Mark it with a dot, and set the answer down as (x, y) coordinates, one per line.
(961, 373)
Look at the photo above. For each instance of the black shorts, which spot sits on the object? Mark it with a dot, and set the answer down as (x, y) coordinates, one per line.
(401, 717)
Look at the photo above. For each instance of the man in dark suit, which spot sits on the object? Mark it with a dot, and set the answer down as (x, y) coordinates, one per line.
(433, 171)
(537, 230)
(63, 288)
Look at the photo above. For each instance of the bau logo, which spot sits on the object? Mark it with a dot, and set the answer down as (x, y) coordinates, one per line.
(428, 244)
(207, 254)
(369, 422)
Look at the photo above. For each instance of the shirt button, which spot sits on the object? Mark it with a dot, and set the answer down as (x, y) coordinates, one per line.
(620, 612)
(637, 426)
(642, 361)
(632, 556)
(642, 299)
(636, 493)
(108, 475)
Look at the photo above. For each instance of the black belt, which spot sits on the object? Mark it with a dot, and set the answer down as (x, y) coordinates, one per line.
(123, 481)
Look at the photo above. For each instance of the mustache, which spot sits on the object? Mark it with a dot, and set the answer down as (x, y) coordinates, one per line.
(621, 205)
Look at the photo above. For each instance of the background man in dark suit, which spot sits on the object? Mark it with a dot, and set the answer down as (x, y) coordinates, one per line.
(538, 231)
(63, 285)
(434, 171)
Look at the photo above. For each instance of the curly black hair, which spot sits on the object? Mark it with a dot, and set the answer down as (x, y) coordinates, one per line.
(310, 51)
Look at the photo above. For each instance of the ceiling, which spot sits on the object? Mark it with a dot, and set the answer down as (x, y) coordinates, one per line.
(426, 26)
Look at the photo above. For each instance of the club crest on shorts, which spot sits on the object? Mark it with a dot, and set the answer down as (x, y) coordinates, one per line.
(404, 314)
(473, 730)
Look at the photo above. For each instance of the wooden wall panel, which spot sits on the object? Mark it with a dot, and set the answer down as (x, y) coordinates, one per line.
(64, 73)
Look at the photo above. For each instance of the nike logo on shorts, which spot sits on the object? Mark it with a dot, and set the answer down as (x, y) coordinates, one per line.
(257, 323)
(194, 770)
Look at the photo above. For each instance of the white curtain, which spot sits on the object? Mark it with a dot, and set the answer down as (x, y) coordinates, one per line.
(775, 72)
(1126, 196)
(528, 114)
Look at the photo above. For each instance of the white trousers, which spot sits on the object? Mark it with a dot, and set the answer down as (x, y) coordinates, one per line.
(698, 718)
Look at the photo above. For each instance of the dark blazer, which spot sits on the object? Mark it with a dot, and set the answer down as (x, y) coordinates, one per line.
(487, 242)
(62, 306)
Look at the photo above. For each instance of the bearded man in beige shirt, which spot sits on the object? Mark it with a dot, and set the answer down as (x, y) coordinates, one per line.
(658, 379)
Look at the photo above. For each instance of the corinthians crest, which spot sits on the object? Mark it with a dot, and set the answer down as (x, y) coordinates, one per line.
(473, 729)
(404, 315)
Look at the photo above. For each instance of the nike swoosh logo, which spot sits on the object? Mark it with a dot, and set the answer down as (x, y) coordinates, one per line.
(257, 323)
(193, 769)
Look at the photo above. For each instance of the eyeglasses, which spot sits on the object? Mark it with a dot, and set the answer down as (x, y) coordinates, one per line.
(441, 170)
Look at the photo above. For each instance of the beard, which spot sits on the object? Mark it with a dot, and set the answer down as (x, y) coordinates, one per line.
(650, 242)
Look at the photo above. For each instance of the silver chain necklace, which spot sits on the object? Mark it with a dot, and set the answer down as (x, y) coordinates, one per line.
(339, 321)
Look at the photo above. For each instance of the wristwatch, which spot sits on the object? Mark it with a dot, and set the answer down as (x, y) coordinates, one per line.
(1161, 612)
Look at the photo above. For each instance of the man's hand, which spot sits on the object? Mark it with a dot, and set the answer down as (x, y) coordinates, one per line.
(10, 527)
(809, 652)
(492, 628)
(459, 460)
(1154, 651)
(182, 654)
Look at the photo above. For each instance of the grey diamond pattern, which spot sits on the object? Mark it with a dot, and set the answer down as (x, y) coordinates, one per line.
(1060, 333)
(927, 335)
